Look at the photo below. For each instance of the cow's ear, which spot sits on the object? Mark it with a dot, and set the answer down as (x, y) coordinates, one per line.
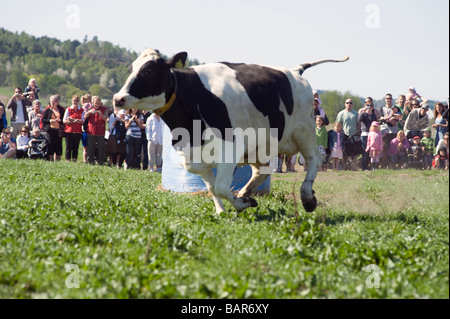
(178, 60)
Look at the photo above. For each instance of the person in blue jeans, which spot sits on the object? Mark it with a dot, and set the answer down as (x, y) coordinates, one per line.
(134, 123)
(440, 123)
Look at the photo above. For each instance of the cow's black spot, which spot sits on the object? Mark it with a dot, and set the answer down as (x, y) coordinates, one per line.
(195, 102)
(150, 79)
(265, 87)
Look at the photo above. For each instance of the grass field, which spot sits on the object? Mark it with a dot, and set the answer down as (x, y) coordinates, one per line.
(125, 238)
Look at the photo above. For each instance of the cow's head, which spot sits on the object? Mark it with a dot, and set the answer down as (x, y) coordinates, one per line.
(145, 87)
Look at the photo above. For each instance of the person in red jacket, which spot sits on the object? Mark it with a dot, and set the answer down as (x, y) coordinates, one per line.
(96, 118)
(73, 120)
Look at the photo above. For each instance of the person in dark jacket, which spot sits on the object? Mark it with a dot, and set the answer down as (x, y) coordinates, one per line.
(52, 121)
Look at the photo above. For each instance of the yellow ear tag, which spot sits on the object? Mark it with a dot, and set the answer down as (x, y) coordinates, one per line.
(179, 65)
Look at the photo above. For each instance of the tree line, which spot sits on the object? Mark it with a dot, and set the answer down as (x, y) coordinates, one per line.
(65, 67)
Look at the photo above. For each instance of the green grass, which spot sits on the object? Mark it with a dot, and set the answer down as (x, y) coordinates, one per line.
(132, 240)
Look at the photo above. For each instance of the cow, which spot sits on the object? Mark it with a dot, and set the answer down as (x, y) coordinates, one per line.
(221, 96)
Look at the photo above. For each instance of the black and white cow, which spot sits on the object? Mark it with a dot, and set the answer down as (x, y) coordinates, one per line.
(228, 96)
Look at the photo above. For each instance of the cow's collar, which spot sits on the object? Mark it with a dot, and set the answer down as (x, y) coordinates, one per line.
(172, 99)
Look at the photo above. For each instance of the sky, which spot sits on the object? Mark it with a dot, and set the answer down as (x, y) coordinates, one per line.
(392, 44)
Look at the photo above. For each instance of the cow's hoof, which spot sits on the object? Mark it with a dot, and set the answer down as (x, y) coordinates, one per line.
(253, 203)
(310, 205)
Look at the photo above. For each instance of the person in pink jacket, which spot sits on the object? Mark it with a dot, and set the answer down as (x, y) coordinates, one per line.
(374, 145)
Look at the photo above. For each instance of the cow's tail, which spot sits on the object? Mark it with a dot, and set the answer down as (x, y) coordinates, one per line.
(302, 68)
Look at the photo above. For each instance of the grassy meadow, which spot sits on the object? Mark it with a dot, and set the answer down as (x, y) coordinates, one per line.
(126, 238)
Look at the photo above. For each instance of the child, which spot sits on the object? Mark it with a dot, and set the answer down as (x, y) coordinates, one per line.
(441, 159)
(321, 139)
(37, 145)
(374, 145)
(412, 94)
(336, 145)
(397, 150)
(427, 144)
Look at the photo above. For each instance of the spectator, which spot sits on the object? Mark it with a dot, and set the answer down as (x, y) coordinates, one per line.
(321, 139)
(440, 123)
(3, 120)
(349, 120)
(73, 129)
(427, 144)
(389, 126)
(31, 97)
(32, 87)
(441, 159)
(144, 142)
(7, 146)
(35, 115)
(18, 105)
(38, 145)
(366, 116)
(397, 150)
(86, 102)
(374, 145)
(96, 127)
(52, 121)
(443, 143)
(22, 142)
(336, 143)
(318, 111)
(134, 124)
(116, 146)
(417, 120)
(154, 129)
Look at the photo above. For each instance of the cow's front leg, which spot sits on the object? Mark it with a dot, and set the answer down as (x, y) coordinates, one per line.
(224, 178)
(257, 179)
(210, 180)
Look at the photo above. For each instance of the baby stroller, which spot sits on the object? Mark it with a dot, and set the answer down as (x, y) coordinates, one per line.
(38, 147)
(415, 156)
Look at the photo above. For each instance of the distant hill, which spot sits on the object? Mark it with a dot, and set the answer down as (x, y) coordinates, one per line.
(64, 67)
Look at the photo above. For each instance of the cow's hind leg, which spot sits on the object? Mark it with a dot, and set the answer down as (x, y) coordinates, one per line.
(224, 178)
(210, 180)
(306, 142)
(257, 179)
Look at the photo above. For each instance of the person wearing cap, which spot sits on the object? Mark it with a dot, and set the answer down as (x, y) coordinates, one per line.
(441, 159)
(417, 121)
(427, 144)
(374, 145)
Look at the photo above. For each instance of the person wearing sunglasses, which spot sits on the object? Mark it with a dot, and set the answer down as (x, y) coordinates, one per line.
(22, 142)
(7, 146)
(349, 120)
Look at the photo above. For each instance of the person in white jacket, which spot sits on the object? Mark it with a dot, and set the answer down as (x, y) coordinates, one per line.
(154, 129)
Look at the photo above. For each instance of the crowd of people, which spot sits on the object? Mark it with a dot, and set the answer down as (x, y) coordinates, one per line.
(396, 136)
(126, 139)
